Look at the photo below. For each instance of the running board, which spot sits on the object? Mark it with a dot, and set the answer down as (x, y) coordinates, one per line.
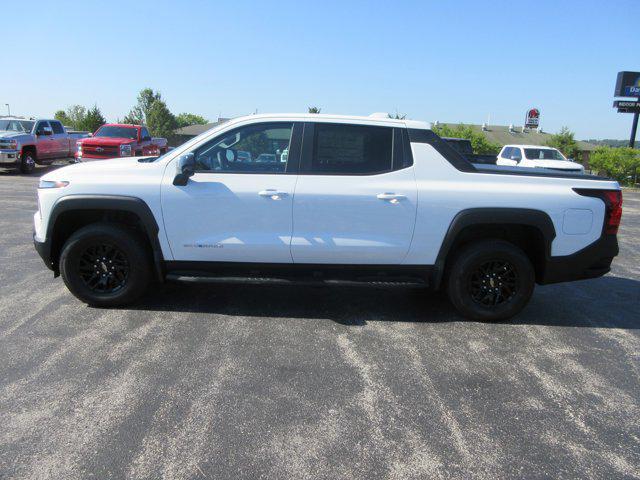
(251, 280)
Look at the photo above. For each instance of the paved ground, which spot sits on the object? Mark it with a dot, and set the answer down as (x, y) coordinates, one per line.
(257, 382)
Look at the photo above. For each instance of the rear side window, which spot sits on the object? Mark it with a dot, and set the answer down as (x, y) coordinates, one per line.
(57, 127)
(351, 149)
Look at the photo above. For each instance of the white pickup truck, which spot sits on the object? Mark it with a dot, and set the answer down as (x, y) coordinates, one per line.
(355, 201)
(535, 156)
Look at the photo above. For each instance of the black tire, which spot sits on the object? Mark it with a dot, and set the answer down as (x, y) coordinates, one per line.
(27, 162)
(490, 280)
(121, 272)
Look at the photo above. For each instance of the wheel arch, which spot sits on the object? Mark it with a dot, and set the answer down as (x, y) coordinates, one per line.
(75, 211)
(531, 230)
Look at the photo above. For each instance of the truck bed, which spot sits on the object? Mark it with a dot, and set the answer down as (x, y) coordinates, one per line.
(536, 172)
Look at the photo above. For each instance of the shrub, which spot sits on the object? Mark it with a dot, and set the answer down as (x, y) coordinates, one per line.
(621, 164)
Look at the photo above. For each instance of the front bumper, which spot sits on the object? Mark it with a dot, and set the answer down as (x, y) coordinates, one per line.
(9, 158)
(590, 262)
(44, 250)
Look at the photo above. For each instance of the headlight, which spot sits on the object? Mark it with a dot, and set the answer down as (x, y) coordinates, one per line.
(52, 184)
(79, 147)
(9, 144)
(125, 150)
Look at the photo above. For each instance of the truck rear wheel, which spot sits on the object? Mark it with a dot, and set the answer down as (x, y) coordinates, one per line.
(105, 265)
(27, 162)
(490, 280)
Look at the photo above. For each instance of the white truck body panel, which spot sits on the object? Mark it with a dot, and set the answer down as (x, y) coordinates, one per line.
(321, 218)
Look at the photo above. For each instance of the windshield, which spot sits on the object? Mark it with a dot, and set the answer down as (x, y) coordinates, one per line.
(16, 125)
(543, 154)
(117, 132)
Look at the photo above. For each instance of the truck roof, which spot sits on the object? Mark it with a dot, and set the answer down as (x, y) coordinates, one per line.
(370, 120)
(531, 146)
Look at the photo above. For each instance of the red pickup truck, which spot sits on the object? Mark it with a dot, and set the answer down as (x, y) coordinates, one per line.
(114, 140)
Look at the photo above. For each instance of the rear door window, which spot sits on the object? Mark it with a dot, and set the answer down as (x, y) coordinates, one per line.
(340, 149)
(57, 127)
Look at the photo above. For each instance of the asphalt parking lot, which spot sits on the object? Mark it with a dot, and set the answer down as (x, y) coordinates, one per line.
(200, 382)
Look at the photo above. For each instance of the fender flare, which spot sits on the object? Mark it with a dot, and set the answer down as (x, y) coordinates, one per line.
(493, 216)
(133, 205)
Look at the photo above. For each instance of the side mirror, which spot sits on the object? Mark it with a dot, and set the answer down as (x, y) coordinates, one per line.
(185, 168)
(515, 159)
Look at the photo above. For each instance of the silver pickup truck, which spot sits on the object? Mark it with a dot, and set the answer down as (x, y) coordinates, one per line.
(23, 143)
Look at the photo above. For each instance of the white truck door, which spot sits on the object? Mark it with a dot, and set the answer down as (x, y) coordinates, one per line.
(237, 207)
(356, 195)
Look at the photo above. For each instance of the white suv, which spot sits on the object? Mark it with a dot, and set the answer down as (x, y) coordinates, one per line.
(535, 156)
(323, 199)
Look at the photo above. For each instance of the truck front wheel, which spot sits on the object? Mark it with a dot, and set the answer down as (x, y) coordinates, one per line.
(105, 265)
(490, 280)
(27, 162)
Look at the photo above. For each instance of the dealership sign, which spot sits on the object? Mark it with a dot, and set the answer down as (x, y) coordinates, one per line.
(626, 106)
(532, 119)
(627, 84)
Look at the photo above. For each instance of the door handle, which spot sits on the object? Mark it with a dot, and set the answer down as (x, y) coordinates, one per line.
(391, 197)
(272, 193)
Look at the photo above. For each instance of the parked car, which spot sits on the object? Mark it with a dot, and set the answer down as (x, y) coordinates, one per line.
(25, 143)
(114, 140)
(535, 156)
(463, 146)
(358, 201)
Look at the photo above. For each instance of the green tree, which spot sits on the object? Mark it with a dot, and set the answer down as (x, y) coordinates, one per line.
(186, 119)
(138, 114)
(621, 164)
(479, 143)
(63, 118)
(92, 120)
(565, 142)
(76, 115)
(314, 110)
(160, 120)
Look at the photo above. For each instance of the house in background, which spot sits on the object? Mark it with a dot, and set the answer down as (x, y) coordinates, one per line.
(181, 135)
(505, 135)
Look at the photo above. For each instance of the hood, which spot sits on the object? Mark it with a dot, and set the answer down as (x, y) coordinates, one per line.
(11, 134)
(558, 164)
(93, 170)
(109, 141)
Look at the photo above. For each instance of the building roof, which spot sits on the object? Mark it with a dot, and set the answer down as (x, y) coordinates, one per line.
(500, 134)
(194, 130)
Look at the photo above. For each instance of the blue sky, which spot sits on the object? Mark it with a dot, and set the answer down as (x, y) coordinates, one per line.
(457, 61)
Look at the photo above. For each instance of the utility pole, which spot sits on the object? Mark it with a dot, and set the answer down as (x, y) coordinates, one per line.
(634, 128)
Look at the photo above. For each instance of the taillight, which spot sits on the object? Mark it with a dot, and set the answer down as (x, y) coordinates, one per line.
(614, 210)
(613, 206)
